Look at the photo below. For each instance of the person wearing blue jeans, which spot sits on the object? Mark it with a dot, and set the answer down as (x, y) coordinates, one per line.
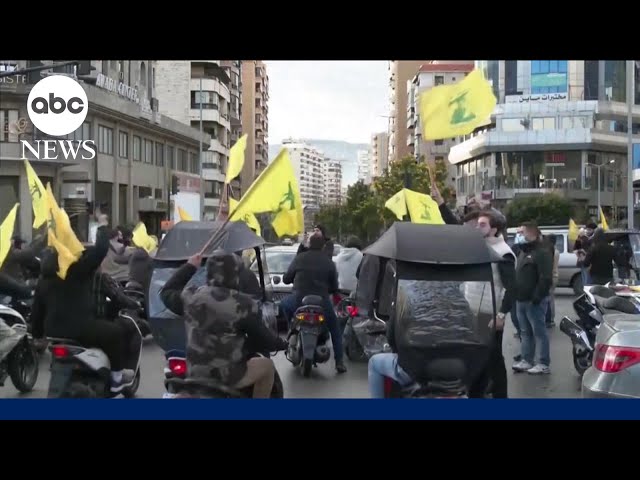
(384, 365)
(312, 272)
(534, 334)
(533, 284)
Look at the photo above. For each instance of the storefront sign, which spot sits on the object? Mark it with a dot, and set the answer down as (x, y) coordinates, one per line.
(122, 89)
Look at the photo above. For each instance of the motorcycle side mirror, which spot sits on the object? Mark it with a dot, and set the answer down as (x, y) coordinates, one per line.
(276, 280)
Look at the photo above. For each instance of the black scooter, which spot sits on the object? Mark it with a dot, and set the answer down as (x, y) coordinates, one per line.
(308, 336)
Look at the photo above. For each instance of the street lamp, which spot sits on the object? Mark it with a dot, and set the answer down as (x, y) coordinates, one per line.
(599, 167)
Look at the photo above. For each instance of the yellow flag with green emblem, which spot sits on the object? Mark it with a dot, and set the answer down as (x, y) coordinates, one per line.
(422, 208)
(398, 205)
(448, 111)
(249, 218)
(276, 191)
(36, 189)
(6, 232)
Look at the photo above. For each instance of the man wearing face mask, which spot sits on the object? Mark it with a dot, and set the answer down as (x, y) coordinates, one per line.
(533, 283)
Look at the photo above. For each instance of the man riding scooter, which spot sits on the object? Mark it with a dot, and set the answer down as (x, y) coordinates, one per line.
(312, 272)
(224, 326)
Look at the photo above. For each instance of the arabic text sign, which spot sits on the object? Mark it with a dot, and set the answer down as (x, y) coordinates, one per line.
(536, 98)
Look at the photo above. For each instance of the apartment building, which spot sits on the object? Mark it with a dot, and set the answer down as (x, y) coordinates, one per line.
(332, 177)
(308, 163)
(255, 120)
(401, 72)
(364, 167)
(138, 149)
(379, 153)
(556, 122)
(198, 93)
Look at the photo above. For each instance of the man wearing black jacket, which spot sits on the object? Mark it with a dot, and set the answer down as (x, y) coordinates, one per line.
(314, 273)
(327, 246)
(64, 308)
(533, 283)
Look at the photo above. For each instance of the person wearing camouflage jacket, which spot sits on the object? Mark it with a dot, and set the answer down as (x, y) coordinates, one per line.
(224, 326)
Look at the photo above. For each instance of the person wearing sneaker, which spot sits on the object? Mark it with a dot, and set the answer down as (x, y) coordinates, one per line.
(64, 308)
(533, 283)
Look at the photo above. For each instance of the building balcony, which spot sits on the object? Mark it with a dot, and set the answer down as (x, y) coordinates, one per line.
(209, 115)
(536, 140)
(210, 85)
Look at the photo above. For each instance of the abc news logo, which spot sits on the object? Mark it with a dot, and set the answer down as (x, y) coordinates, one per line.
(58, 106)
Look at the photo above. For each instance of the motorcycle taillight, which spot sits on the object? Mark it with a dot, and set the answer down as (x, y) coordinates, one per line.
(352, 310)
(310, 317)
(178, 366)
(60, 351)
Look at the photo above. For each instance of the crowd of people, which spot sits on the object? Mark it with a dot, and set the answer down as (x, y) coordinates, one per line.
(219, 300)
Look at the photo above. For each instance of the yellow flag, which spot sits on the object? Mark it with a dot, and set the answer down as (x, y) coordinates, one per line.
(573, 232)
(275, 190)
(449, 111)
(36, 189)
(422, 208)
(603, 221)
(236, 158)
(184, 216)
(398, 205)
(249, 218)
(6, 232)
(142, 239)
(60, 235)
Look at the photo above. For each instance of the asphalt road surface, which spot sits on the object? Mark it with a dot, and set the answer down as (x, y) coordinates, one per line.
(563, 382)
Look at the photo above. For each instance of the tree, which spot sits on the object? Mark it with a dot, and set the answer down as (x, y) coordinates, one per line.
(547, 209)
(332, 218)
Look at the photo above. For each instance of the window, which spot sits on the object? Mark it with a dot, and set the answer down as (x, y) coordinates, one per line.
(209, 100)
(545, 123)
(124, 145)
(512, 125)
(182, 161)
(591, 72)
(615, 80)
(439, 142)
(511, 77)
(158, 193)
(8, 117)
(105, 140)
(137, 149)
(159, 155)
(211, 189)
(82, 133)
(439, 80)
(143, 74)
(171, 157)
(193, 163)
(548, 76)
(148, 151)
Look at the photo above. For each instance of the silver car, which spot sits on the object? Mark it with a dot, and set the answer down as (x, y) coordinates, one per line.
(615, 372)
(278, 260)
(568, 271)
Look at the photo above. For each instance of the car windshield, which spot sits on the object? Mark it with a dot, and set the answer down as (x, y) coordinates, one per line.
(277, 262)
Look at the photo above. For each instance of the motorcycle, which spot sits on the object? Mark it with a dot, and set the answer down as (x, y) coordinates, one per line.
(308, 336)
(177, 384)
(363, 337)
(590, 307)
(80, 372)
(21, 363)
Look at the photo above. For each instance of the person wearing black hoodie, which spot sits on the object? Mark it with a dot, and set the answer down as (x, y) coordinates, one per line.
(599, 258)
(64, 309)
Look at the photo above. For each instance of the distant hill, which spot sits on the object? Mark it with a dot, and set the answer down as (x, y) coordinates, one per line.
(345, 152)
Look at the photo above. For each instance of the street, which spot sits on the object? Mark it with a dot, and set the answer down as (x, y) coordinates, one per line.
(563, 382)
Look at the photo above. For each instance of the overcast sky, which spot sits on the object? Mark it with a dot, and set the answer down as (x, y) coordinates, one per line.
(327, 100)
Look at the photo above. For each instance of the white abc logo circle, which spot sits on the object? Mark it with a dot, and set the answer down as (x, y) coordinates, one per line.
(57, 105)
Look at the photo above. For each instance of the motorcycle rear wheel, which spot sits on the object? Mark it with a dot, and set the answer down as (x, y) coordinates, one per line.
(581, 362)
(23, 366)
(307, 365)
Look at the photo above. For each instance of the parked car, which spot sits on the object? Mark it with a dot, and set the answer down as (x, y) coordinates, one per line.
(615, 371)
(568, 262)
(278, 260)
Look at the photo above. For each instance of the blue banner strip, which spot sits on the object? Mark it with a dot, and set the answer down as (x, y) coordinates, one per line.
(319, 409)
